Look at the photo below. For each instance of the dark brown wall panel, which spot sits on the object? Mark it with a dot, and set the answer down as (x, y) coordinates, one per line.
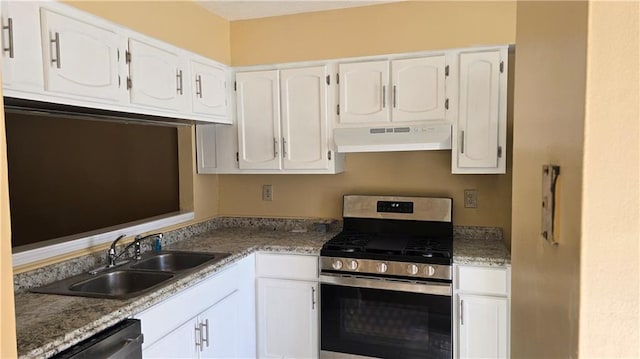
(68, 176)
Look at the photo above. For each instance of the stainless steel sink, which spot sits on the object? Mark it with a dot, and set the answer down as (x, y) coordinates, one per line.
(120, 283)
(174, 261)
(135, 277)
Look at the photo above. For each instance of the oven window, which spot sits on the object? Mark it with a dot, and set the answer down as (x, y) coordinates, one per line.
(384, 323)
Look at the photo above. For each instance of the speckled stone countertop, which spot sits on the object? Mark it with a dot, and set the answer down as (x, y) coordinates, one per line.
(480, 246)
(47, 324)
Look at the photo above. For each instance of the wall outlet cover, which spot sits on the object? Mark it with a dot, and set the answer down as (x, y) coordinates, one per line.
(470, 198)
(267, 192)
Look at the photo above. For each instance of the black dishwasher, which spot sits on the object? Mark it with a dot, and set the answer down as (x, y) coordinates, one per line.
(121, 341)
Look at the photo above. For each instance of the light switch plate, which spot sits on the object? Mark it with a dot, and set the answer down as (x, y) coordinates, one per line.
(550, 175)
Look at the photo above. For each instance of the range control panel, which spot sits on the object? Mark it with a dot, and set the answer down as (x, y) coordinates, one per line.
(394, 207)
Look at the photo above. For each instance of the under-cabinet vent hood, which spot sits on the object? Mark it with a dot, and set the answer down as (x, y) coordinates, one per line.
(393, 138)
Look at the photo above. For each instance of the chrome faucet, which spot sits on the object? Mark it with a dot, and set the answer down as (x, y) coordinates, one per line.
(139, 238)
(111, 253)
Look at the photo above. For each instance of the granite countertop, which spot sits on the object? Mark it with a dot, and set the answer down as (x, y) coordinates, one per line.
(480, 246)
(47, 324)
(486, 252)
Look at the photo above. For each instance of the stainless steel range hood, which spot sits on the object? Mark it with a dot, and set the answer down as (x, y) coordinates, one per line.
(393, 138)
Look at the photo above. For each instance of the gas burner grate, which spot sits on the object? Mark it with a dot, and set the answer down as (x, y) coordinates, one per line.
(348, 242)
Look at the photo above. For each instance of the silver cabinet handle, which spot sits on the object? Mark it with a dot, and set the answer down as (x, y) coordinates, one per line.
(275, 147)
(313, 298)
(56, 40)
(462, 312)
(384, 96)
(284, 148)
(199, 86)
(394, 96)
(9, 28)
(179, 81)
(462, 142)
(205, 339)
(198, 330)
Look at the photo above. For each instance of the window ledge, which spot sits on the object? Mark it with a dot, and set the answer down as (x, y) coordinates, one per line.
(66, 245)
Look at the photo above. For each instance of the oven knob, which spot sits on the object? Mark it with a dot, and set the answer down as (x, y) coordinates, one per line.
(352, 265)
(337, 264)
(430, 270)
(381, 267)
(412, 269)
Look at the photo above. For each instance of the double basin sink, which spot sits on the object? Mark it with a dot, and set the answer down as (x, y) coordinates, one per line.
(135, 277)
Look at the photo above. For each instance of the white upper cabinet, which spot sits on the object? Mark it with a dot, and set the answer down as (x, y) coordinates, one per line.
(80, 58)
(258, 114)
(480, 131)
(304, 118)
(398, 90)
(21, 54)
(418, 90)
(209, 89)
(158, 76)
(363, 92)
(295, 140)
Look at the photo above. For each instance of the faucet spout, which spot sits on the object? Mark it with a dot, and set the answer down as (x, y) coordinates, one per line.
(139, 238)
(111, 253)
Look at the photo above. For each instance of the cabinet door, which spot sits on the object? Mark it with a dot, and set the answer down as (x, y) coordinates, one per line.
(287, 319)
(483, 327)
(364, 92)
(80, 58)
(304, 118)
(479, 116)
(180, 343)
(418, 89)
(158, 78)
(221, 329)
(206, 154)
(209, 89)
(21, 54)
(258, 115)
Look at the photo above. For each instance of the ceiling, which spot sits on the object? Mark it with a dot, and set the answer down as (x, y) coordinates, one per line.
(241, 10)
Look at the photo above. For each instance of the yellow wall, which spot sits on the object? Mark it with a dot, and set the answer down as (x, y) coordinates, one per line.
(610, 251)
(548, 127)
(7, 313)
(181, 23)
(391, 28)
(382, 29)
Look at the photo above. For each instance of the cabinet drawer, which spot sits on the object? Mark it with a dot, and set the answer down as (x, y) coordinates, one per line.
(483, 280)
(290, 266)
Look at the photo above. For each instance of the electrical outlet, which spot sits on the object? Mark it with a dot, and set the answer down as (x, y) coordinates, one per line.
(267, 192)
(470, 198)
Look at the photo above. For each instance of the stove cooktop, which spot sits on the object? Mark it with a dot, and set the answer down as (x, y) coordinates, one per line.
(436, 250)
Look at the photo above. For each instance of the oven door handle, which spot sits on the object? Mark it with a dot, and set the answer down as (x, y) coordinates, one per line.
(434, 288)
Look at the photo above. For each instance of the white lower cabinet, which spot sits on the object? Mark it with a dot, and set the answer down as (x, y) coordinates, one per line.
(212, 334)
(287, 305)
(483, 326)
(214, 319)
(481, 312)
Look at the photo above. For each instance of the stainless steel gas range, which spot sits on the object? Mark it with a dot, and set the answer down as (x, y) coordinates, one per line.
(385, 280)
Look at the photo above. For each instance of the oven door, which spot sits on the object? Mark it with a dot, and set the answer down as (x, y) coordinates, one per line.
(377, 318)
